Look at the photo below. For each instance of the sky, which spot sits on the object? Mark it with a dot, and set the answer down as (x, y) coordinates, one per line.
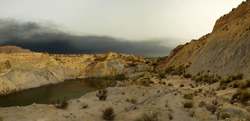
(143, 27)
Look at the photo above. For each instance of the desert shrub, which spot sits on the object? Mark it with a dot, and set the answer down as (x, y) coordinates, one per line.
(188, 96)
(202, 104)
(241, 95)
(182, 85)
(85, 105)
(188, 104)
(132, 65)
(170, 116)
(61, 104)
(191, 85)
(191, 113)
(147, 62)
(169, 70)
(211, 108)
(245, 84)
(170, 84)
(198, 79)
(236, 85)
(179, 71)
(120, 77)
(161, 75)
(239, 76)
(224, 115)
(108, 113)
(148, 117)
(215, 102)
(102, 94)
(154, 64)
(187, 66)
(131, 100)
(187, 75)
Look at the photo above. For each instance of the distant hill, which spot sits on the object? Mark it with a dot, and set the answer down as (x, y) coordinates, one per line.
(13, 49)
(224, 51)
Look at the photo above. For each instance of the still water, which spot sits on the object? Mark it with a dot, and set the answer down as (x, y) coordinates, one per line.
(46, 94)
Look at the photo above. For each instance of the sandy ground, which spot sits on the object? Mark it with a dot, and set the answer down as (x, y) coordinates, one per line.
(161, 99)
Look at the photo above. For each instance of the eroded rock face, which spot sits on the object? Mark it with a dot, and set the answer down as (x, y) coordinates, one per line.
(20, 71)
(225, 51)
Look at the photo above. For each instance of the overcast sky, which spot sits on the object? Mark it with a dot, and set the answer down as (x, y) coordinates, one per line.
(168, 22)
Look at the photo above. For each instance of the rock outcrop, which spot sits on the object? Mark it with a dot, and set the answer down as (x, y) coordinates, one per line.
(224, 51)
(20, 71)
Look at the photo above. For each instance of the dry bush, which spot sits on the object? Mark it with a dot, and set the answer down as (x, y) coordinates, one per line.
(188, 104)
(108, 113)
(102, 94)
(188, 96)
(148, 117)
(131, 100)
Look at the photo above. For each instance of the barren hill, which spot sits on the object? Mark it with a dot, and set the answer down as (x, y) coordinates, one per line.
(13, 49)
(224, 51)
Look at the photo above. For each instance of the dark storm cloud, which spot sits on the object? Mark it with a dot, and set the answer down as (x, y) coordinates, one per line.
(44, 38)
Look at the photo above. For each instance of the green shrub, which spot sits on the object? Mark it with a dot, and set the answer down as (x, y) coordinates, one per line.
(120, 77)
(102, 94)
(108, 113)
(147, 62)
(148, 117)
(187, 75)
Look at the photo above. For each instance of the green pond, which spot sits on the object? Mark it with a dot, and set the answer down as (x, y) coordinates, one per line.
(72, 89)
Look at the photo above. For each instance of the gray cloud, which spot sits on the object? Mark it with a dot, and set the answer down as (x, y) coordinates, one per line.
(43, 38)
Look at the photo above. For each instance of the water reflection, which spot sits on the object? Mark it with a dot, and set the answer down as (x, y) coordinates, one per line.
(44, 95)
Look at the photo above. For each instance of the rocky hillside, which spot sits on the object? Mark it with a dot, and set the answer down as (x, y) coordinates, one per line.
(13, 49)
(20, 71)
(224, 51)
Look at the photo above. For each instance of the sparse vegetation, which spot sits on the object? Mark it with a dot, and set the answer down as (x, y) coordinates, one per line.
(85, 105)
(132, 65)
(120, 77)
(242, 95)
(131, 100)
(188, 96)
(170, 116)
(211, 108)
(181, 85)
(102, 94)
(108, 114)
(187, 75)
(161, 75)
(188, 104)
(61, 104)
(169, 70)
(148, 117)
(170, 84)
(224, 115)
(202, 104)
